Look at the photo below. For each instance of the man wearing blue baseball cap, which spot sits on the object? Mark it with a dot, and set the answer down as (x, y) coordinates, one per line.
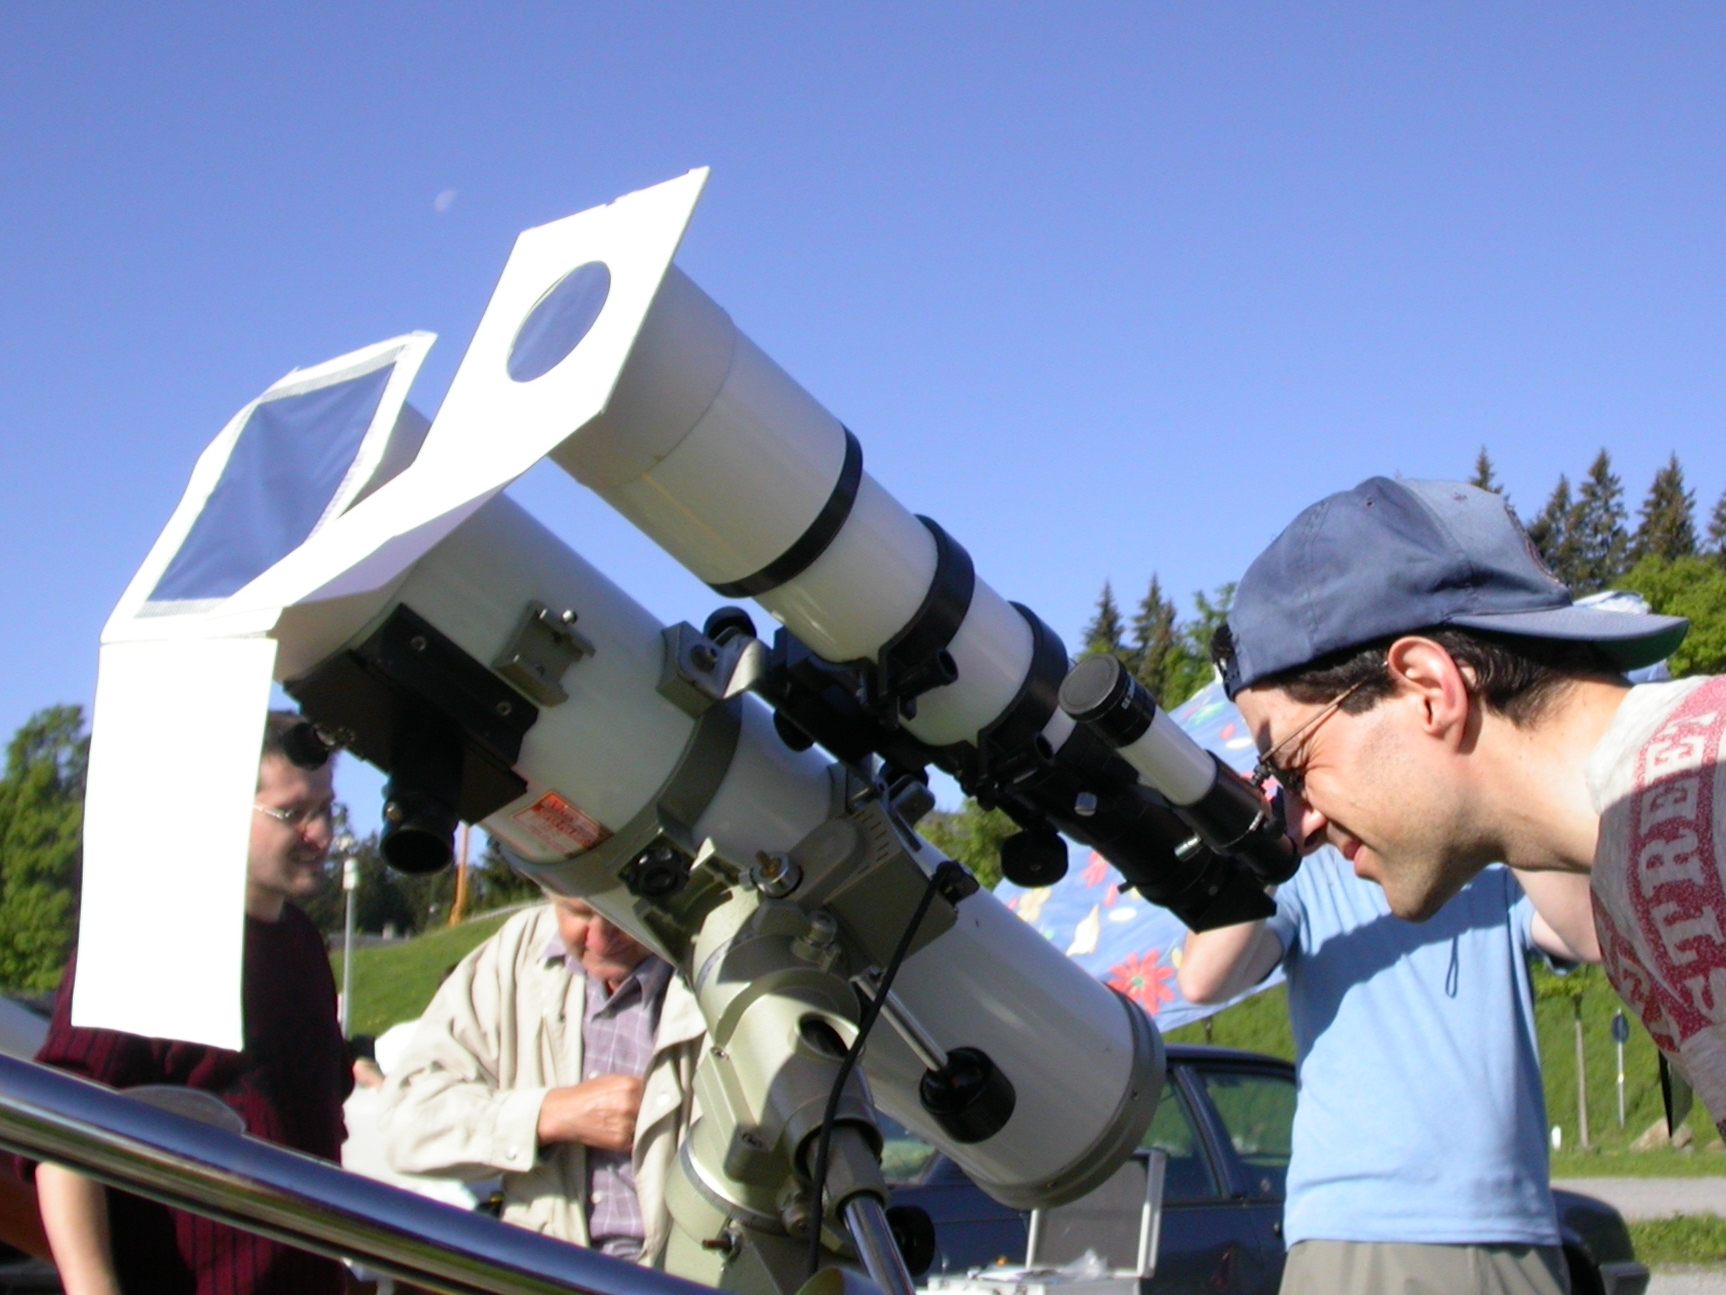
(1432, 700)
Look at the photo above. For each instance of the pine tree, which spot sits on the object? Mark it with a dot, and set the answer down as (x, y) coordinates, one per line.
(1551, 532)
(41, 850)
(1190, 668)
(497, 885)
(1717, 529)
(1105, 631)
(1597, 532)
(1154, 642)
(1668, 526)
(1485, 477)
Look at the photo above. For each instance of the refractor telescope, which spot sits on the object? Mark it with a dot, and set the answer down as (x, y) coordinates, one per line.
(746, 808)
(892, 645)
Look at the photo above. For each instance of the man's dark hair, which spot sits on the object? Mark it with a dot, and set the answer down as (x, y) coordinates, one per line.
(1517, 677)
(278, 724)
(290, 736)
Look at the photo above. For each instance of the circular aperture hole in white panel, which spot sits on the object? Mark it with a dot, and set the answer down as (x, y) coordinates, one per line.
(559, 321)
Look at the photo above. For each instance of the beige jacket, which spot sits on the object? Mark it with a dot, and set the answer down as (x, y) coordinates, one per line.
(502, 1030)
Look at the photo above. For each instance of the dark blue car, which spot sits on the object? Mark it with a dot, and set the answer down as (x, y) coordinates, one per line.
(1224, 1124)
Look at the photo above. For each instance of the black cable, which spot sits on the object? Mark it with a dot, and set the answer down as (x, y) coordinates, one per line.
(872, 1010)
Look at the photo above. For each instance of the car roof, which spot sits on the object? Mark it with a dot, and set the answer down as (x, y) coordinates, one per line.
(1200, 1053)
(22, 1027)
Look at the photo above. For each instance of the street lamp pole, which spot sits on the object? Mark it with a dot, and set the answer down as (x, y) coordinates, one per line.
(1620, 1036)
(350, 883)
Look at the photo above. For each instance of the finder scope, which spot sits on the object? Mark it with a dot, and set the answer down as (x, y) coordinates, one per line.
(1227, 812)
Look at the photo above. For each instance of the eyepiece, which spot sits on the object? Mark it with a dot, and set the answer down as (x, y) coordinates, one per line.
(419, 831)
(1099, 693)
(421, 796)
(305, 746)
(1033, 858)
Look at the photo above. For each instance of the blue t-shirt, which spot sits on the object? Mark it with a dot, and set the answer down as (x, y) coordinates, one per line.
(1421, 1115)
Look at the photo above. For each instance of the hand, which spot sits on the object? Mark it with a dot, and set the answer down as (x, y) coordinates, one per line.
(367, 1074)
(598, 1113)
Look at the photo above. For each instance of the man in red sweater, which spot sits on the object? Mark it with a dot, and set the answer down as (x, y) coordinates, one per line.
(286, 1084)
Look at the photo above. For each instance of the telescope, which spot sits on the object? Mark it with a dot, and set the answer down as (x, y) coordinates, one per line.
(892, 645)
(334, 542)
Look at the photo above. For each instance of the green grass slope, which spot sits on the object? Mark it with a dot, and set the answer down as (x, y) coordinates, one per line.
(394, 982)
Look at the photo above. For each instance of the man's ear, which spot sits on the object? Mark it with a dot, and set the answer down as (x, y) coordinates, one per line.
(1429, 678)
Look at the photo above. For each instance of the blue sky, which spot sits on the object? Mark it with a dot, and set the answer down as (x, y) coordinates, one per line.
(1106, 289)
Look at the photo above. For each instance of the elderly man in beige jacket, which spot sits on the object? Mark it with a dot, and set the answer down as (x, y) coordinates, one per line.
(559, 1053)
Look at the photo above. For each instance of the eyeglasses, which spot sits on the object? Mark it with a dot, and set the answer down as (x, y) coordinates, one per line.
(325, 813)
(1294, 780)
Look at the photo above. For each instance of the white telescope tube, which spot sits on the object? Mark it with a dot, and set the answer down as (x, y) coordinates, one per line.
(993, 982)
(592, 763)
(726, 462)
(595, 761)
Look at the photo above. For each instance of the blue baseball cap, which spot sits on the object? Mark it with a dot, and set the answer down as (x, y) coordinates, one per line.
(1392, 557)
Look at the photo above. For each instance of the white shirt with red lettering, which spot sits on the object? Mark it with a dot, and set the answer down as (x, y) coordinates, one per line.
(1659, 884)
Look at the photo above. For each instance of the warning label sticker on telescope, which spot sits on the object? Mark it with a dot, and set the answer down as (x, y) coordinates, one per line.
(558, 825)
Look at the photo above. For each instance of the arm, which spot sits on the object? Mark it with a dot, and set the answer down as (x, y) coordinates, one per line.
(74, 1208)
(436, 1122)
(472, 1096)
(75, 1217)
(464, 1100)
(1563, 914)
(1217, 965)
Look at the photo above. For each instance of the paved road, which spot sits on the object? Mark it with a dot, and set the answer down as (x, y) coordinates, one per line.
(1653, 1198)
(1688, 1281)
